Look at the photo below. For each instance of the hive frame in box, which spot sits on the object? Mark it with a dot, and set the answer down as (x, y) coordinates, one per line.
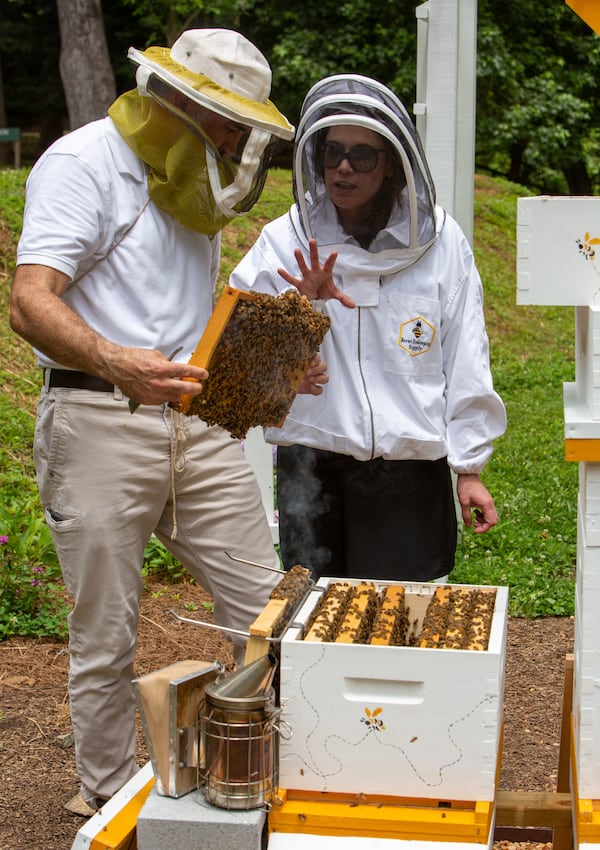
(389, 720)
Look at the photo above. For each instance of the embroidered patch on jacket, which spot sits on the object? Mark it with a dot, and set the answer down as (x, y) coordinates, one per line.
(416, 336)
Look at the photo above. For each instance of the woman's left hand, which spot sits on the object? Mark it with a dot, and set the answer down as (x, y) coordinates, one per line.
(314, 377)
(477, 506)
(316, 282)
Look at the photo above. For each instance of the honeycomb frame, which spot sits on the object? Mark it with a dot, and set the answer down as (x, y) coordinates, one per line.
(256, 348)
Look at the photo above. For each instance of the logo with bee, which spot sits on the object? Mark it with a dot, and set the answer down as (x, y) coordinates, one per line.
(416, 336)
(587, 246)
(372, 720)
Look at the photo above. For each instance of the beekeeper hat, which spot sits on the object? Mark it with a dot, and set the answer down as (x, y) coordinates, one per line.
(220, 70)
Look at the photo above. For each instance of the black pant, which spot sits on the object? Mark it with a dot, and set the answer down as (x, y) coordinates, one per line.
(378, 519)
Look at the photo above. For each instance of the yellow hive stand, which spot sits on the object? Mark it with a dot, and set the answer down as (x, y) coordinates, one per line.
(384, 818)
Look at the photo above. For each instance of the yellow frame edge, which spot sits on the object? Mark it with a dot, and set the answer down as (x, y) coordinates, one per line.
(118, 832)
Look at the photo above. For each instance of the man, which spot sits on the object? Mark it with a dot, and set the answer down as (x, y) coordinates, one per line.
(114, 284)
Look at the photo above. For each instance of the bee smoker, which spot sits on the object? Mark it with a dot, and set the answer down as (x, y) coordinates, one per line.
(239, 738)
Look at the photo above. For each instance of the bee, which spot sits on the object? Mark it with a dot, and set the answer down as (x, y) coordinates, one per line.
(585, 246)
(418, 328)
(372, 720)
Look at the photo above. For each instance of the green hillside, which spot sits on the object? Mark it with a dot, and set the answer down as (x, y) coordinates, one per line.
(532, 550)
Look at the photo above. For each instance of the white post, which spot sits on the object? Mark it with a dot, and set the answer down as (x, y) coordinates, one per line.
(446, 97)
(260, 457)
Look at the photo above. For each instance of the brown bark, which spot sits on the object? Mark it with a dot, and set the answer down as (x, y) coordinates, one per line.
(85, 68)
(578, 178)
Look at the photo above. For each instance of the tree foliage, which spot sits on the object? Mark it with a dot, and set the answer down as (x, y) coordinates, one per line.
(308, 41)
(538, 66)
(538, 99)
(164, 20)
(29, 51)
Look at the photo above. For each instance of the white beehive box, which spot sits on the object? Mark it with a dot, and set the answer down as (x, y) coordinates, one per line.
(401, 721)
(558, 253)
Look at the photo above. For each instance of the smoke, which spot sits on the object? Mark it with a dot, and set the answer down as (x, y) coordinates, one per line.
(302, 510)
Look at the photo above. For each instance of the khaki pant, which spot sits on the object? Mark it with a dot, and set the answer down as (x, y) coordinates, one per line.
(107, 480)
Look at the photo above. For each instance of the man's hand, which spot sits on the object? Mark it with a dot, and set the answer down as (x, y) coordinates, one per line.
(477, 506)
(148, 377)
(40, 316)
(316, 282)
(314, 377)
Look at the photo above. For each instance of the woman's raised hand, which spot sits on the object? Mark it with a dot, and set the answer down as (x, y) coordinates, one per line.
(316, 281)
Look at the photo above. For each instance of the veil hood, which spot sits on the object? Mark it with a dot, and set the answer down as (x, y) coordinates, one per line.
(349, 99)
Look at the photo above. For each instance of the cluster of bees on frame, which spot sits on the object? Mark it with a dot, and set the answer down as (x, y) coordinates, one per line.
(293, 587)
(458, 618)
(455, 618)
(259, 362)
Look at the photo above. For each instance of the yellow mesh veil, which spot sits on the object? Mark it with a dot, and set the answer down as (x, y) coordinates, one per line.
(178, 180)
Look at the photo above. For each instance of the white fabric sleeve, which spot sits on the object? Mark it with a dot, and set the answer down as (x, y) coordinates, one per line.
(475, 413)
(65, 215)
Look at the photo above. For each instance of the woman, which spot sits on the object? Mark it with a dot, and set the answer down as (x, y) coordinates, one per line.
(364, 470)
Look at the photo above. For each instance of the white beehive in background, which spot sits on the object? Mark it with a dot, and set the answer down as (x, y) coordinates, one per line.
(392, 720)
(559, 264)
(556, 261)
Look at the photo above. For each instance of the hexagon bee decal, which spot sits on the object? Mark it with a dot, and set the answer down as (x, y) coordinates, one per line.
(416, 336)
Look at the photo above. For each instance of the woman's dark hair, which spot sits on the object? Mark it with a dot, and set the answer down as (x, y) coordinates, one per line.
(385, 198)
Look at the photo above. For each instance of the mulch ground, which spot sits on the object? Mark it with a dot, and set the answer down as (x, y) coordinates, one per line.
(36, 746)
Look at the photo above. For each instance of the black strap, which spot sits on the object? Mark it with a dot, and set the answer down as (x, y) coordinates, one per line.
(68, 379)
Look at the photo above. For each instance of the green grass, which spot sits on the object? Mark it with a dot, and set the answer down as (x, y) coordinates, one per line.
(533, 548)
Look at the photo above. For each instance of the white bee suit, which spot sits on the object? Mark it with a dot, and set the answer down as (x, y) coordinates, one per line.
(364, 488)
(391, 393)
(409, 367)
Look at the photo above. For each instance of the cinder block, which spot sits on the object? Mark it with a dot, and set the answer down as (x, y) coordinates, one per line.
(191, 823)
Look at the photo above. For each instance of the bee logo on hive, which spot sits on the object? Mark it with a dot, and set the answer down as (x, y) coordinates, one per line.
(586, 248)
(372, 720)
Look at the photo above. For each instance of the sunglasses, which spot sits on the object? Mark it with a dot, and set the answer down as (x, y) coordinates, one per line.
(362, 158)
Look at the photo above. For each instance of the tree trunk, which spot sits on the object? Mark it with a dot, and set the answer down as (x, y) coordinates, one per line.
(578, 178)
(517, 149)
(85, 68)
(5, 152)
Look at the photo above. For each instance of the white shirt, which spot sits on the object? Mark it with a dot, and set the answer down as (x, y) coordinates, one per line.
(409, 368)
(154, 288)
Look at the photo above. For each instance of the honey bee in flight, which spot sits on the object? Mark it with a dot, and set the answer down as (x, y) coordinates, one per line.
(585, 246)
(418, 328)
